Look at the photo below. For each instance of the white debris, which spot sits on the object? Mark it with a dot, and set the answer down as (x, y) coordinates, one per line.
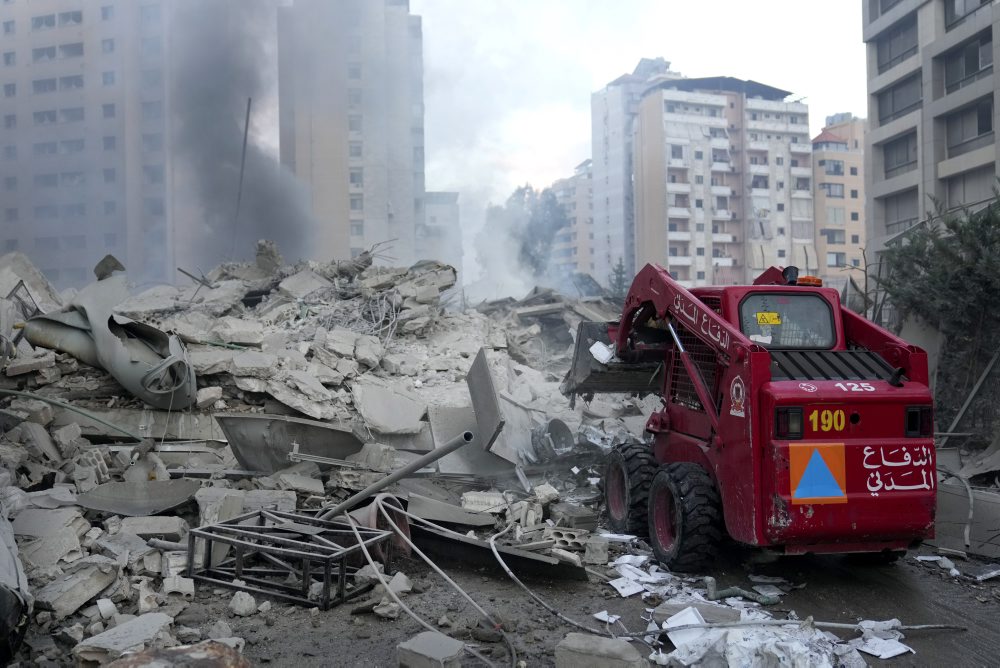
(243, 604)
(605, 617)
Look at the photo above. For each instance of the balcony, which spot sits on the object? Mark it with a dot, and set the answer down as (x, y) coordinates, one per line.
(724, 191)
(721, 167)
(678, 187)
(722, 261)
(722, 214)
(802, 194)
(763, 170)
(801, 147)
(677, 163)
(719, 142)
(758, 146)
(721, 238)
(678, 212)
(679, 261)
(805, 172)
(760, 192)
(679, 235)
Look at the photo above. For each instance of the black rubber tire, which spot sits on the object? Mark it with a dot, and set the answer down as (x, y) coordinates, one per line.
(691, 542)
(635, 462)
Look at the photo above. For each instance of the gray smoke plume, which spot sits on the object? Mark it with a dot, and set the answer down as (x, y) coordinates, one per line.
(221, 61)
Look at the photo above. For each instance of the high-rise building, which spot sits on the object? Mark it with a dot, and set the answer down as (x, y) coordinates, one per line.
(613, 112)
(931, 110)
(351, 120)
(84, 125)
(573, 245)
(723, 180)
(440, 235)
(839, 175)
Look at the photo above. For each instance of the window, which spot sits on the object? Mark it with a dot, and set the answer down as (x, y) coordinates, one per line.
(854, 171)
(357, 203)
(833, 189)
(700, 275)
(968, 63)
(802, 183)
(110, 176)
(956, 11)
(354, 149)
(45, 212)
(43, 22)
(353, 97)
(153, 206)
(854, 194)
(897, 43)
(354, 123)
(834, 236)
(699, 227)
(781, 232)
(149, 15)
(8, 27)
(74, 18)
(110, 143)
(698, 204)
(781, 252)
(108, 110)
(110, 240)
(43, 54)
(107, 12)
(357, 178)
(78, 210)
(39, 86)
(357, 229)
(152, 111)
(794, 162)
(700, 251)
(855, 238)
(806, 321)
(900, 211)
(698, 155)
(44, 117)
(10, 152)
(152, 142)
(901, 99)
(835, 215)
(781, 206)
(44, 148)
(970, 128)
(110, 208)
(10, 215)
(833, 167)
(74, 50)
(880, 7)
(780, 185)
(855, 262)
(970, 187)
(46, 180)
(354, 71)
(759, 181)
(836, 259)
(10, 183)
(152, 174)
(676, 152)
(854, 216)
(71, 82)
(9, 90)
(9, 58)
(71, 179)
(150, 47)
(71, 115)
(71, 146)
(721, 203)
(151, 78)
(900, 155)
(699, 179)
(107, 46)
(779, 161)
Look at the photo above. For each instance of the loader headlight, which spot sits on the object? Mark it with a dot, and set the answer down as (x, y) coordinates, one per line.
(788, 423)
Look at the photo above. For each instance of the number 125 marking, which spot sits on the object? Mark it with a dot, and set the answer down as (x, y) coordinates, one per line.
(855, 387)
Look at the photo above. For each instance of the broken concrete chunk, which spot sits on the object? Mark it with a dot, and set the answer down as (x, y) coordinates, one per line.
(300, 483)
(596, 551)
(269, 499)
(39, 522)
(302, 284)
(243, 604)
(47, 551)
(386, 408)
(157, 526)
(568, 557)
(387, 608)
(22, 365)
(484, 502)
(546, 493)
(207, 396)
(341, 341)
(431, 649)
(212, 360)
(37, 439)
(368, 351)
(254, 364)
(84, 580)
(176, 584)
(399, 364)
(241, 332)
(35, 411)
(375, 457)
(581, 649)
(134, 634)
(573, 516)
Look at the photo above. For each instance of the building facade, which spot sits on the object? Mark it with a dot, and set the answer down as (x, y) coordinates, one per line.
(351, 120)
(932, 115)
(839, 177)
(440, 235)
(572, 248)
(613, 112)
(723, 181)
(84, 127)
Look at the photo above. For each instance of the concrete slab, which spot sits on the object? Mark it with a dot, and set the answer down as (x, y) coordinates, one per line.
(88, 578)
(439, 511)
(582, 650)
(134, 634)
(430, 649)
(387, 408)
(298, 286)
(445, 422)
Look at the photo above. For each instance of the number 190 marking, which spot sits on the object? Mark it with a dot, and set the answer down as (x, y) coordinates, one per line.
(855, 387)
(827, 420)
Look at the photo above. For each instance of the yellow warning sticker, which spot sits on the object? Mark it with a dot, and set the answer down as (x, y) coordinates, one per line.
(767, 318)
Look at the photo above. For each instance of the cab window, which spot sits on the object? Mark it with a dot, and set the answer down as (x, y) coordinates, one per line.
(783, 320)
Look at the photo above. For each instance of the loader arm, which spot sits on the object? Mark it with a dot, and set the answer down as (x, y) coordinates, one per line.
(655, 294)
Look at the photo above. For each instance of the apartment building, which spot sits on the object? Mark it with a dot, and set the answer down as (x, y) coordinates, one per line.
(613, 111)
(439, 237)
(839, 178)
(572, 248)
(83, 130)
(723, 180)
(932, 115)
(351, 120)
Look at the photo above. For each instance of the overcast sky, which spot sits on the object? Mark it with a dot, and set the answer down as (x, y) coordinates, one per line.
(507, 83)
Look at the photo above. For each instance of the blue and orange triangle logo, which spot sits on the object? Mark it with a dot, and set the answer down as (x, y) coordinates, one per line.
(818, 473)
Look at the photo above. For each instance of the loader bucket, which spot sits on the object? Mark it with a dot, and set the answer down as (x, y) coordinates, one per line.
(588, 376)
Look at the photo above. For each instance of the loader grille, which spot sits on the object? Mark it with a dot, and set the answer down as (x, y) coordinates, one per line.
(682, 388)
(828, 365)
